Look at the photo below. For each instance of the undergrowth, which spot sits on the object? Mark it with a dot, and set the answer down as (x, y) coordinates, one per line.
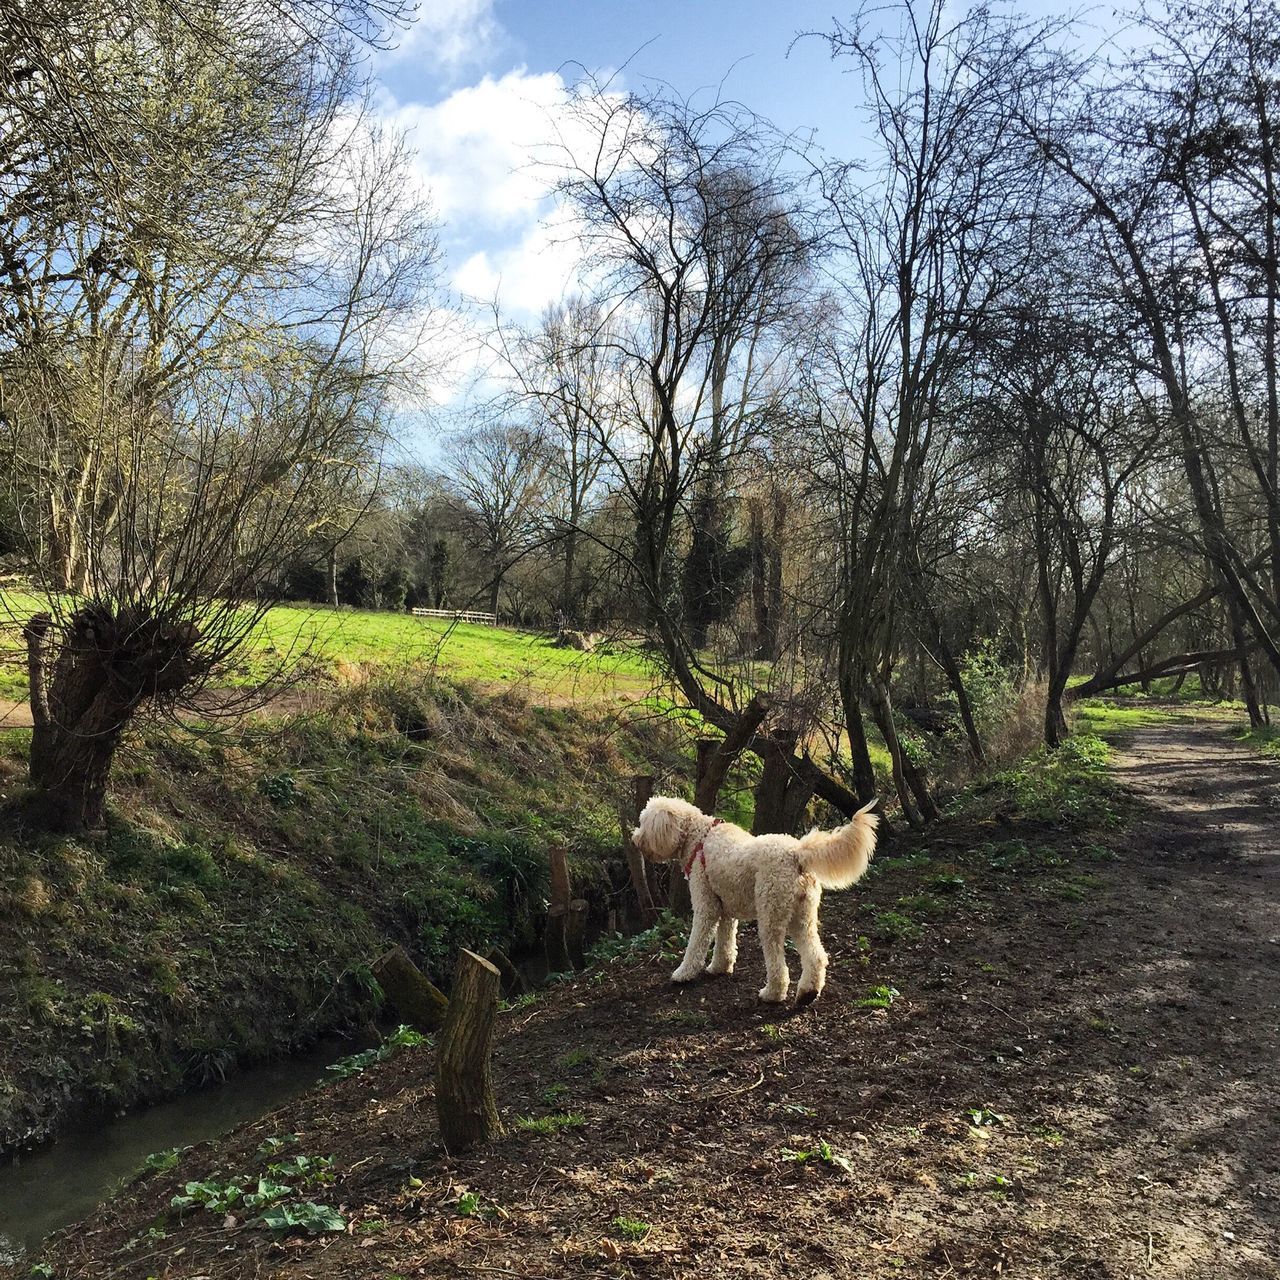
(243, 885)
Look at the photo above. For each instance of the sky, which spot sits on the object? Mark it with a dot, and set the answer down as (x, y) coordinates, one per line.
(476, 85)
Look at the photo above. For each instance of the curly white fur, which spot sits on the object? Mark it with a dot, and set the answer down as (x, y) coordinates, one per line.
(774, 879)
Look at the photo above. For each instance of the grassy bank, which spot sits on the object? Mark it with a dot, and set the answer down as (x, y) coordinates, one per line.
(243, 885)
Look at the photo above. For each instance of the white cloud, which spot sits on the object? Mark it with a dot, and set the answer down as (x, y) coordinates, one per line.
(448, 35)
(484, 149)
(525, 276)
(487, 155)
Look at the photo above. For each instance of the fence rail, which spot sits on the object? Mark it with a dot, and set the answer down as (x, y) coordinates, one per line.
(459, 615)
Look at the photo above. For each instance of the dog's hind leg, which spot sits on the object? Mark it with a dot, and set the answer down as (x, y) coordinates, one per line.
(813, 958)
(772, 924)
(726, 952)
(695, 954)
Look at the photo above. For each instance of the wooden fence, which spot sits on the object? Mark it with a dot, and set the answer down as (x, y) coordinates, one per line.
(459, 615)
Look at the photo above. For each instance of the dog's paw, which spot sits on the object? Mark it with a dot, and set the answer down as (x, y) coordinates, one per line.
(684, 975)
(719, 970)
(806, 997)
(771, 995)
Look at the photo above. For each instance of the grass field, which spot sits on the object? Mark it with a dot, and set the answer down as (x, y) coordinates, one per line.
(323, 644)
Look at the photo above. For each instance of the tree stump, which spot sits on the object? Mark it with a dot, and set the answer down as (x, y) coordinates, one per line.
(465, 1105)
(417, 1000)
(555, 938)
(555, 941)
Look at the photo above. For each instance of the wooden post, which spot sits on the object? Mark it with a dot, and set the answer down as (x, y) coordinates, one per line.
(418, 1001)
(641, 791)
(678, 900)
(575, 932)
(555, 938)
(464, 1080)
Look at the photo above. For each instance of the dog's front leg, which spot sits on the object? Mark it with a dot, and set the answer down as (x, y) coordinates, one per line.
(695, 954)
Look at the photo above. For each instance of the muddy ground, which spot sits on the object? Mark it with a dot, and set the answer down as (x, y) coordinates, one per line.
(1076, 1078)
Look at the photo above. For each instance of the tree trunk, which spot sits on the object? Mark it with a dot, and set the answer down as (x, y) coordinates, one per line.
(883, 713)
(784, 789)
(715, 758)
(331, 584)
(1256, 717)
(465, 1104)
(864, 775)
(703, 585)
(955, 681)
(1055, 721)
(568, 604)
(107, 666)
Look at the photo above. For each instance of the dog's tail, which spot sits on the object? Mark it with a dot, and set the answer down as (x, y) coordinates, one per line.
(835, 859)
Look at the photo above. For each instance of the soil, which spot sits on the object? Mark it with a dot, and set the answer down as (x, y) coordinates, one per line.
(1075, 1079)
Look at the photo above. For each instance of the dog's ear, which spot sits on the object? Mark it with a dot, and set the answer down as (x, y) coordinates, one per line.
(659, 834)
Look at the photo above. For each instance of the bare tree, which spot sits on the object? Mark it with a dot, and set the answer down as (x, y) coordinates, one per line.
(1175, 164)
(569, 372)
(499, 473)
(198, 358)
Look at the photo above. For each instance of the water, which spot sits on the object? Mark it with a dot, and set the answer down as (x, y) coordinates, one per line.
(63, 1182)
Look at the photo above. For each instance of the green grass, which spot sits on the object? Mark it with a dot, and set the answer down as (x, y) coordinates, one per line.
(1266, 739)
(1069, 789)
(554, 1123)
(327, 644)
(1109, 718)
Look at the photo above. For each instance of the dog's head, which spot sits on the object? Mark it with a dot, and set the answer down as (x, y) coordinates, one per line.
(664, 825)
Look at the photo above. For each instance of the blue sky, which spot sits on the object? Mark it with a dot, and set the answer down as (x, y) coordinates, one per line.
(477, 85)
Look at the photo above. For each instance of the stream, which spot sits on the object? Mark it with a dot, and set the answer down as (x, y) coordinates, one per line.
(63, 1182)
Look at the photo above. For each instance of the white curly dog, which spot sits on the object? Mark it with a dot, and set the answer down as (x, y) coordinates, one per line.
(774, 879)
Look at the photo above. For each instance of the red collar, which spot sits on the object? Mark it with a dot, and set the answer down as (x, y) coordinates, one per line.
(697, 848)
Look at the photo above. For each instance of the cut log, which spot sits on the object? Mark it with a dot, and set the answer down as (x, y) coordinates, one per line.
(555, 939)
(416, 999)
(513, 982)
(465, 1104)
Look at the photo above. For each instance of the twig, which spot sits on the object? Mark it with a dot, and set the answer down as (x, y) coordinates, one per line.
(502, 1271)
(995, 1008)
(729, 1093)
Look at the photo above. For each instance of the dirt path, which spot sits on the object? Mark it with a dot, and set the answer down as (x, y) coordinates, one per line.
(1075, 1080)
